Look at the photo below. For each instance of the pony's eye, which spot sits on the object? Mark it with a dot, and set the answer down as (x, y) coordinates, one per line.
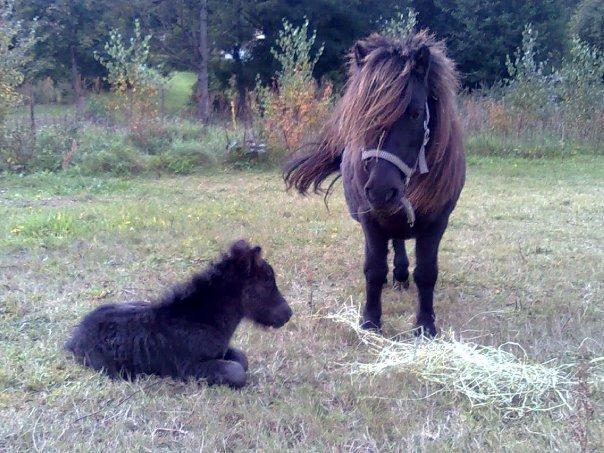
(415, 114)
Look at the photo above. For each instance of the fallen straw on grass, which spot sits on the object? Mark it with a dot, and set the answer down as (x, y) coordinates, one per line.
(484, 375)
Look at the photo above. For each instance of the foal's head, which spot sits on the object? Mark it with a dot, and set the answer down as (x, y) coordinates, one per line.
(261, 300)
(397, 73)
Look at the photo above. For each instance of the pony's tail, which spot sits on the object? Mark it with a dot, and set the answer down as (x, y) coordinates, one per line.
(309, 171)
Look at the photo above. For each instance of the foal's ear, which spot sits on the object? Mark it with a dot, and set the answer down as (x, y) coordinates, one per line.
(246, 258)
(251, 260)
(422, 61)
(257, 256)
(359, 51)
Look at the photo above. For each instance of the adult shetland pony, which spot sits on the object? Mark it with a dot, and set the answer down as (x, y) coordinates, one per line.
(395, 139)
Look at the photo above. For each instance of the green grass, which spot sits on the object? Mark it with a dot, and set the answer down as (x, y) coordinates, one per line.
(521, 262)
(179, 90)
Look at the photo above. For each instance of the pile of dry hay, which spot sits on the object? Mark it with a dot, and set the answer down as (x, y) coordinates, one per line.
(484, 375)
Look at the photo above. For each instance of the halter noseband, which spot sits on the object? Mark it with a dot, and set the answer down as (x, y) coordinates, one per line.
(403, 167)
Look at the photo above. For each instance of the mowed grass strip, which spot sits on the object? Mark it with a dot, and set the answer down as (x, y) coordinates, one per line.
(521, 262)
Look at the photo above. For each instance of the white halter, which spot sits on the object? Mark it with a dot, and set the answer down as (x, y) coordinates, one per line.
(403, 167)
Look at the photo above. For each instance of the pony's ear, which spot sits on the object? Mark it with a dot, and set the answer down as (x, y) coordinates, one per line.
(360, 51)
(422, 61)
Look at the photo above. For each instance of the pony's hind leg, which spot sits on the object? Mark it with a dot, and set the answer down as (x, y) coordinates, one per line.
(400, 273)
(235, 355)
(221, 372)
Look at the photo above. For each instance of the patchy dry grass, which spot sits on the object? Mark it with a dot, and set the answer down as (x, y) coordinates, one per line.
(521, 262)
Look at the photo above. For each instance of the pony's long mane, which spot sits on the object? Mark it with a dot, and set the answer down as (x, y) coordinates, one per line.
(375, 96)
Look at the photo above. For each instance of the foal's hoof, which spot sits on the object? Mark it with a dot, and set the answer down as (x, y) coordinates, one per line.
(399, 286)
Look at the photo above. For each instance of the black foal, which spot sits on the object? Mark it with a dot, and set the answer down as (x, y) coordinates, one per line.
(186, 333)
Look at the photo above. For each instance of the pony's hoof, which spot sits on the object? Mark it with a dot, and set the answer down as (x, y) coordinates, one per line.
(371, 326)
(399, 286)
(426, 330)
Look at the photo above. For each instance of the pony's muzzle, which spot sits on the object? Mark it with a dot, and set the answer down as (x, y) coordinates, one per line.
(380, 197)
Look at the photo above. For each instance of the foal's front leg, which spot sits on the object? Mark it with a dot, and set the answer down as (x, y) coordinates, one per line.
(238, 356)
(376, 271)
(425, 275)
(221, 372)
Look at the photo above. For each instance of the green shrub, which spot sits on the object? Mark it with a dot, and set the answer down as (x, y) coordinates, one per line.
(183, 157)
(117, 159)
(15, 148)
(187, 130)
(151, 140)
(97, 109)
(51, 145)
(21, 151)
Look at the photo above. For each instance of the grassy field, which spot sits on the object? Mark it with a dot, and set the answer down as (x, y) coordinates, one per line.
(522, 261)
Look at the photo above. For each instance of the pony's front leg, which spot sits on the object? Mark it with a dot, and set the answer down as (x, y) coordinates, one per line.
(425, 276)
(400, 274)
(376, 271)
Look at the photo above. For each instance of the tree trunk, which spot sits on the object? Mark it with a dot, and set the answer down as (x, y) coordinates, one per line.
(238, 69)
(239, 83)
(32, 116)
(203, 92)
(77, 85)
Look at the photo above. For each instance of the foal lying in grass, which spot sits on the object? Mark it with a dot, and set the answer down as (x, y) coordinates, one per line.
(186, 333)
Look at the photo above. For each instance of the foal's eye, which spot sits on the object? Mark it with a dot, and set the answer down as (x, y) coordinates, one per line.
(415, 114)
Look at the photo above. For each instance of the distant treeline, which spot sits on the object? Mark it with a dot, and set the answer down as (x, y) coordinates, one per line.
(479, 33)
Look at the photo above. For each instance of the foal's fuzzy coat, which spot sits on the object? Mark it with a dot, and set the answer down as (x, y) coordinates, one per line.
(185, 333)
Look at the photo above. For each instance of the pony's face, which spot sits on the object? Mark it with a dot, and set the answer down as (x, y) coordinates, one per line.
(261, 299)
(404, 138)
(386, 182)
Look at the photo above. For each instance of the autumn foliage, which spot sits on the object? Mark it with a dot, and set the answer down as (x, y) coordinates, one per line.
(295, 107)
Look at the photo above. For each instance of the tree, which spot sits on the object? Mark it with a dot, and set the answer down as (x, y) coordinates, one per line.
(16, 42)
(294, 108)
(130, 76)
(588, 22)
(203, 90)
(74, 30)
(479, 33)
(181, 30)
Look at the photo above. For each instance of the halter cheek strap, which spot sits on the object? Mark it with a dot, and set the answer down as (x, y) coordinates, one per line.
(403, 167)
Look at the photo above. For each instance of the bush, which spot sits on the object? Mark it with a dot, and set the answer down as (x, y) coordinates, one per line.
(98, 110)
(21, 151)
(117, 159)
(295, 108)
(52, 144)
(183, 157)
